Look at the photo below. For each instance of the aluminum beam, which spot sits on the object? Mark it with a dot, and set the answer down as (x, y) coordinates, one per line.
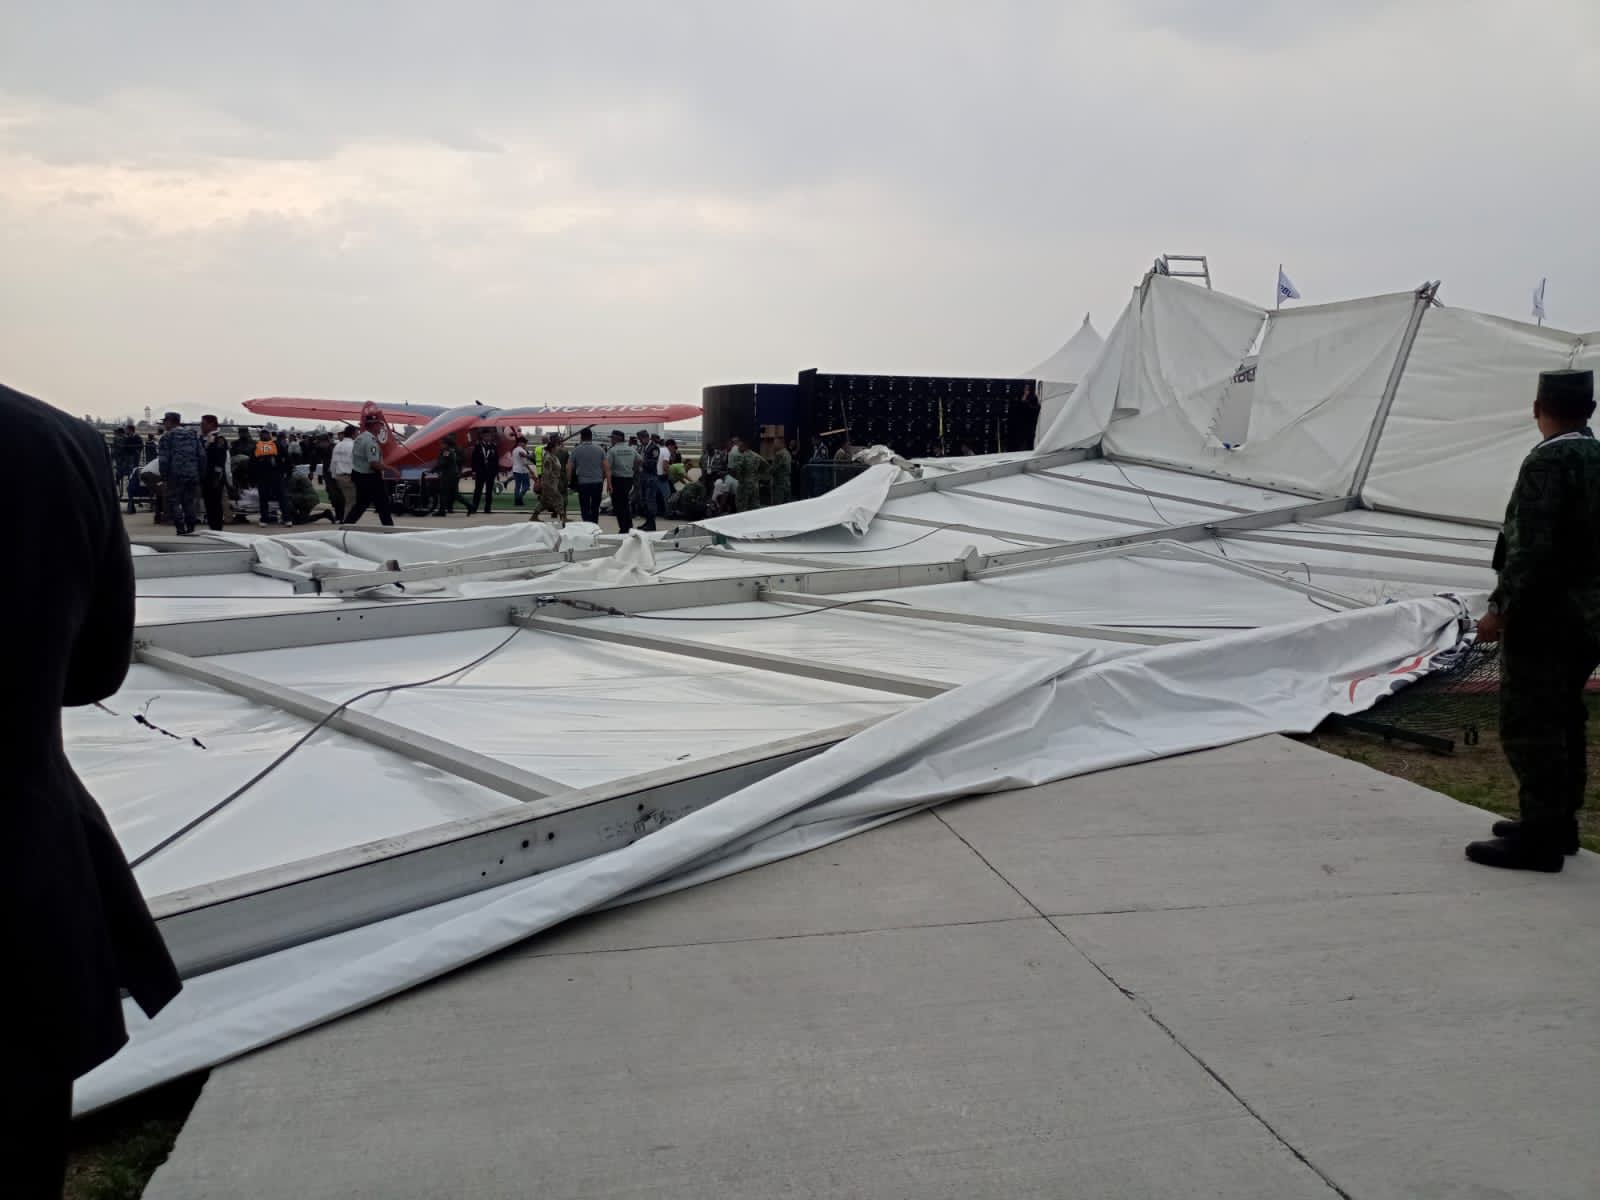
(518, 784)
(328, 624)
(1206, 473)
(1012, 560)
(409, 618)
(1019, 624)
(1475, 522)
(177, 563)
(1056, 508)
(1021, 466)
(1424, 300)
(635, 637)
(1255, 571)
(233, 920)
(1148, 493)
(1004, 535)
(1374, 575)
(1372, 551)
(1387, 534)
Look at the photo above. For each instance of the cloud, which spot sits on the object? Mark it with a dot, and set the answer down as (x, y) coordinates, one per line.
(507, 201)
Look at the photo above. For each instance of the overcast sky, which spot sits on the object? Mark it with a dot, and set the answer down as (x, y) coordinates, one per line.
(623, 202)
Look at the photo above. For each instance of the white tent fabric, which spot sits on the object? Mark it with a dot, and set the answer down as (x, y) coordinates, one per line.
(359, 550)
(1077, 355)
(542, 704)
(1188, 340)
(1057, 376)
(1082, 418)
(1462, 417)
(1045, 719)
(1317, 381)
(851, 505)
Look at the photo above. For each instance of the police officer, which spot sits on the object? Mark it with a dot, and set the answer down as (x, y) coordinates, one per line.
(621, 465)
(1545, 610)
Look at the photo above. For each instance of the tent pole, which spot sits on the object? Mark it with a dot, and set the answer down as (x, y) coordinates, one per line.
(1424, 299)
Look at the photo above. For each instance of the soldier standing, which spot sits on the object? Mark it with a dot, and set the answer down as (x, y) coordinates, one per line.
(552, 497)
(1545, 609)
(782, 473)
(744, 466)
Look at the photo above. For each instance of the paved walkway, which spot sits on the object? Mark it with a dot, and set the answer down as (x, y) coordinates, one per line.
(1255, 972)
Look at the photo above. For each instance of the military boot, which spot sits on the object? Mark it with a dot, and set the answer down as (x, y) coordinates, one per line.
(1521, 853)
(1512, 828)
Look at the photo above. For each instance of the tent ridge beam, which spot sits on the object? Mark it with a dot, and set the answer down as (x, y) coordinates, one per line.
(1019, 466)
(636, 638)
(999, 623)
(1193, 531)
(1425, 297)
(518, 784)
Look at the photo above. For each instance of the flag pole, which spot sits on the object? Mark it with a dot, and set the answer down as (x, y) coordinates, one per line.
(1277, 289)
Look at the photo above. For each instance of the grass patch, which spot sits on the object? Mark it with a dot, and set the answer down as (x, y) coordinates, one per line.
(1476, 775)
(115, 1151)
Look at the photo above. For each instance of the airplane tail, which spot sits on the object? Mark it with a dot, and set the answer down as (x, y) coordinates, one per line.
(389, 440)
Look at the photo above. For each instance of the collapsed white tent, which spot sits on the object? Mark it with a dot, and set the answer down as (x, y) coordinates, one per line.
(1396, 399)
(1000, 732)
(1169, 570)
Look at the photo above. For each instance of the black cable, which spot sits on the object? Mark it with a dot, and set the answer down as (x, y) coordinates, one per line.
(1160, 516)
(684, 562)
(301, 741)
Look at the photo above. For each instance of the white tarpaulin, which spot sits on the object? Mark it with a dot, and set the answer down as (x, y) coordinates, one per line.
(1462, 419)
(852, 505)
(1077, 355)
(1312, 388)
(1188, 339)
(1057, 376)
(354, 549)
(1082, 417)
(1046, 718)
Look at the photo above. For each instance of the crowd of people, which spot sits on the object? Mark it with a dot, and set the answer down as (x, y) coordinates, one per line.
(192, 473)
(646, 476)
(196, 473)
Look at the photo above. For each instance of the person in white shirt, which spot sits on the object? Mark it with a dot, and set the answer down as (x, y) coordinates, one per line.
(520, 477)
(664, 461)
(341, 461)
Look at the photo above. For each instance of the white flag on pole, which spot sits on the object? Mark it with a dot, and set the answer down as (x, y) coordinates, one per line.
(1286, 290)
(1538, 301)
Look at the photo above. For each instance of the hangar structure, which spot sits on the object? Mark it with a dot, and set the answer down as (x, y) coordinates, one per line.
(347, 763)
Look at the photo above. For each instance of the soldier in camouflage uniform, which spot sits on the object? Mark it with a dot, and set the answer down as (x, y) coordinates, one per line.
(746, 473)
(688, 503)
(1545, 610)
(782, 474)
(552, 475)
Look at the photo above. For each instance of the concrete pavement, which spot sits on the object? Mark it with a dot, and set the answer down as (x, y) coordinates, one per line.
(1260, 971)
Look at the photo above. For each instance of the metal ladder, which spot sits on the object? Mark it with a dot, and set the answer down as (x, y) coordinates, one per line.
(1193, 266)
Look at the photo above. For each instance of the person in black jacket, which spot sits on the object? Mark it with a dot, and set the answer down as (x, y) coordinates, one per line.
(213, 470)
(76, 929)
(485, 467)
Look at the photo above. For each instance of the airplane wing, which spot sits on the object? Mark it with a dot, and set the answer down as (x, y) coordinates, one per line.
(615, 416)
(338, 410)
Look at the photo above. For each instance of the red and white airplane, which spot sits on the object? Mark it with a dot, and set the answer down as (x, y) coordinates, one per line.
(421, 449)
